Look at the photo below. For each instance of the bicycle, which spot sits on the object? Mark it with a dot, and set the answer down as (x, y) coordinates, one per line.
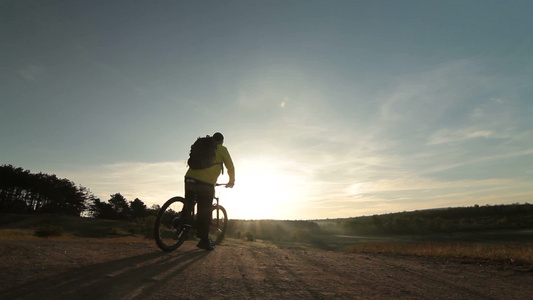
(170, 230)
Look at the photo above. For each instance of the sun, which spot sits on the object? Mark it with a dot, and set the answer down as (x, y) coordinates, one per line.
(261, 192)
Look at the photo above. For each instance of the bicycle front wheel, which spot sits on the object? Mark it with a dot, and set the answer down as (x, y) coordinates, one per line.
(219, 224)
(169, 231)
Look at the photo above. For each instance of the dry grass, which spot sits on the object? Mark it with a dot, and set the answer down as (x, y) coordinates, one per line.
(519, 254)
(17, 234)
(29, 234)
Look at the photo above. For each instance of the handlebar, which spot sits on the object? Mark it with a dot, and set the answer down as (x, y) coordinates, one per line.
(221, 184)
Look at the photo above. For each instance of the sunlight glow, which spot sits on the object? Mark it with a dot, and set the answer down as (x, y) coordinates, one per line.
(284, 101)
(263, 190)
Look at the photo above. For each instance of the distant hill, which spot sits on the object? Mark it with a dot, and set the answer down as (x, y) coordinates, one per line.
(420, 222)
(442, 220)
(415, 223)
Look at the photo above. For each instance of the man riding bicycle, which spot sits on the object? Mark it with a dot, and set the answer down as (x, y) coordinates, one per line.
(200, 188)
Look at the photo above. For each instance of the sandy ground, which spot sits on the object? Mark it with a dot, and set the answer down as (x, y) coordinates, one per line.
(85, 269)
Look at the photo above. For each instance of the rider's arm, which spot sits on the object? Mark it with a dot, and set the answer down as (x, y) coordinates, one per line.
(229, 166)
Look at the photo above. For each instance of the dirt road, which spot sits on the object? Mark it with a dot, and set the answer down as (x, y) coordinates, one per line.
(57, 269)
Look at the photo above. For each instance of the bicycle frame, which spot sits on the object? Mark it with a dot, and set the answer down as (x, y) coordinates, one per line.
(216, 200)
(215, 204)
(172, 226)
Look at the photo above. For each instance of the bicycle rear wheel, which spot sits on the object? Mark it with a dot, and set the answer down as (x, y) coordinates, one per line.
(169, 231)
(218, 225)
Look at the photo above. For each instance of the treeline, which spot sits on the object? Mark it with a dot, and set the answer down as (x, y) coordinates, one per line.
(449, 220)
(119, 208)
(23, 192)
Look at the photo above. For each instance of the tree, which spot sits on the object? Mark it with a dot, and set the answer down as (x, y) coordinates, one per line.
(24, 192)
(138, 208)
(102, 210)
(120, 206)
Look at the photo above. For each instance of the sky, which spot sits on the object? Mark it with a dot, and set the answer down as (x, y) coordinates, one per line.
(330, 109)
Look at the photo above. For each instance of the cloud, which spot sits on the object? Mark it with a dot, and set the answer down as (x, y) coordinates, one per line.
(421, 184)
(453, 102)
(447, 135)
(482, 159)
(30, 72)
(421, 127)
(425, 96)
(330, 164)
(153, 183)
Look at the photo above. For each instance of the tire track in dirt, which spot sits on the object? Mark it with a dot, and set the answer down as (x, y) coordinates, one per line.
(417, 280)
(286, 273)
(167, 272)
(383, 277)
(343, 275)
(225, 273)
(120, 279)
(457, 280)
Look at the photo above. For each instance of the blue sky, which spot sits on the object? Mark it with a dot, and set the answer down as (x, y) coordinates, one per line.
(329, 108)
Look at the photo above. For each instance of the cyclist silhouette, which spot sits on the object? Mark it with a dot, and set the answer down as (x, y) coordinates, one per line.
(200, 188)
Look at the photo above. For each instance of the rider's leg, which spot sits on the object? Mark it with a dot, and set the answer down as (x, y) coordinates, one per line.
(204, 199)
(188, 206)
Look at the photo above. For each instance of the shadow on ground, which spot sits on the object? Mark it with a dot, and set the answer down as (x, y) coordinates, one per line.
(130, 277)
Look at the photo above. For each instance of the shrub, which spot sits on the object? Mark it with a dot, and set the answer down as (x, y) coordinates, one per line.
(146, 226)
(48, 230)
(112, 231)
(249, 236)
(301, 236)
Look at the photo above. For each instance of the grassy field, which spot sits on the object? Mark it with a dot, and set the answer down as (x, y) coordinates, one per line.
(513, 247)
(514, 254)
(35, 226)
(508, 246)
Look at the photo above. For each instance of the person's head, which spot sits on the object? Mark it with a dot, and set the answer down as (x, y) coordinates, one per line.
(218, 137)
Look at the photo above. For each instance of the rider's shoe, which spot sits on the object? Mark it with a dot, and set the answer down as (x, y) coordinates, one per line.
(206, 245)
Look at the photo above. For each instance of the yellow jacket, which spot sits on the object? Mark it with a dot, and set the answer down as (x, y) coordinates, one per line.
(210, 175)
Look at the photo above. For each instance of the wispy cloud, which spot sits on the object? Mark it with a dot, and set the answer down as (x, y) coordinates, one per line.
(30, 72)
(452, 165)
(446, 135)
(421, 128)
(153, 183)
(490, 119)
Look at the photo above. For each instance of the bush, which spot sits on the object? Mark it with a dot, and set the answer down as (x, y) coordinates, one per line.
(48, 230)
(146, 226)
(249, 236)
(301, 236)
(112, 231)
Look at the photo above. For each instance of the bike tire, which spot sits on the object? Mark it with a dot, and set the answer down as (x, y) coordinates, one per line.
(219, 224)
(169, 233)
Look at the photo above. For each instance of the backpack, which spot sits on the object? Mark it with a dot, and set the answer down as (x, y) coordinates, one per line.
(202, 153)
